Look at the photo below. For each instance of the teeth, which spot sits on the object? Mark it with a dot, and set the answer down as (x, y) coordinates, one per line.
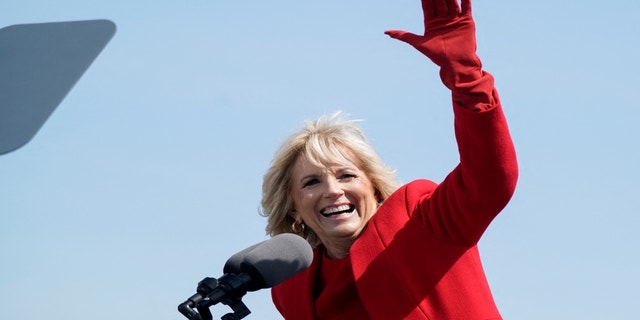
(341, 208)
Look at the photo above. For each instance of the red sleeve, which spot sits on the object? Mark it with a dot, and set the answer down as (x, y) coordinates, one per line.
(462, 206)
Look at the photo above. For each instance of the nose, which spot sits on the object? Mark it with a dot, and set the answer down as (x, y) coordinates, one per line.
(333, 188)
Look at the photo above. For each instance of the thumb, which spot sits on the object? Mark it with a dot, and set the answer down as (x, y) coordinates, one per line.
(404, 36)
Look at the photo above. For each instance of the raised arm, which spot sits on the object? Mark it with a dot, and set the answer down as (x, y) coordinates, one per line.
(464, 204)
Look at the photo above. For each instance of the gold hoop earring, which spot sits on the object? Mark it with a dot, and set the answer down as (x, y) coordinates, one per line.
(294, 227)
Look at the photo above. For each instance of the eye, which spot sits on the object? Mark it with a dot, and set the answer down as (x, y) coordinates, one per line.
(347, 176)
(310, 182)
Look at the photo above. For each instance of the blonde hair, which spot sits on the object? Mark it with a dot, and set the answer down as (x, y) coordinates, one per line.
(325, 140)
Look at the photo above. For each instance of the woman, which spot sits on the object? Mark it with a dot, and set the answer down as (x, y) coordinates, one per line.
(383, 252)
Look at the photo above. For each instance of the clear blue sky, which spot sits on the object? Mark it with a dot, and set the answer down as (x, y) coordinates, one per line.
(147, 177)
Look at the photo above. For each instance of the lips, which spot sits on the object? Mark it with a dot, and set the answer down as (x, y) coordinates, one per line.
(333, 211)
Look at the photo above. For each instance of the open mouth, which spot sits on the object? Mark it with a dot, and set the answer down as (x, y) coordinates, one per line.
(334, 211)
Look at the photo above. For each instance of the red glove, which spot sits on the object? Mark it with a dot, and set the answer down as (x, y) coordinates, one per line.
(449, 41)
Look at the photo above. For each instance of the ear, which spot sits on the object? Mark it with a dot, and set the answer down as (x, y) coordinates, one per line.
(294, 214)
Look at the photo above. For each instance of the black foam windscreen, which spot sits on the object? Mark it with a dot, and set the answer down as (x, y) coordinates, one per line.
(276, 260)
(233, 263)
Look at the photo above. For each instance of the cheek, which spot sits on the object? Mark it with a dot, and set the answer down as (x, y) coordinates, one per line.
(366, 188)
(302, 198)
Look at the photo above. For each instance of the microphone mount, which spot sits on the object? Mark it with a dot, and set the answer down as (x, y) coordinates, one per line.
(197, 306)
(260, 266)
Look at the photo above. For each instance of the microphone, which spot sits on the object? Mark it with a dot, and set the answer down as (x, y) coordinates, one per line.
(233, 263)
(262, 265)
(276, 260)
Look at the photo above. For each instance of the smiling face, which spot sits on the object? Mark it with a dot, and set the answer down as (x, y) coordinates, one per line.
(335, 200)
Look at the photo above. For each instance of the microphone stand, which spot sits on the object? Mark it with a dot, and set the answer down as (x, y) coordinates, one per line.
(197, 306)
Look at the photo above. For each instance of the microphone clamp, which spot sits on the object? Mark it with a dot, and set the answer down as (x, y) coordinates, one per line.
(210, 291)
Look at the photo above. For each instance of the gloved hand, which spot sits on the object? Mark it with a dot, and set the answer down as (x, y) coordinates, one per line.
(449, 41)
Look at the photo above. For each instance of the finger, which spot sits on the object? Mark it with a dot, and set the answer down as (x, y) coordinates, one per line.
(404, 36)
(433, 9)
(428, 10)
(453, 8)
(441, 8)
(466, 7)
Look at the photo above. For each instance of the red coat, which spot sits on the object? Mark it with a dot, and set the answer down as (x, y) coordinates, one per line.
(417, 258)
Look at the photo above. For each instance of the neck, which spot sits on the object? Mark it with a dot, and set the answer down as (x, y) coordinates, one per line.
(338, 249)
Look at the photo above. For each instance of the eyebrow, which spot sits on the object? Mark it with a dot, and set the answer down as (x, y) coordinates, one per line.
(332, 169)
